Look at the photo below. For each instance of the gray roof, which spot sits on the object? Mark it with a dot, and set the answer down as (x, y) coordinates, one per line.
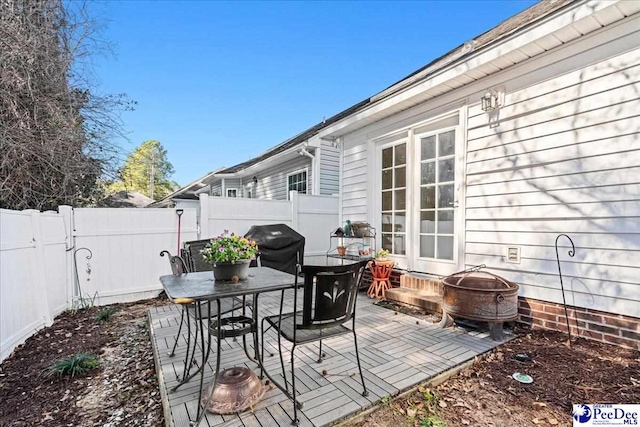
(187, 192)
(125, 199)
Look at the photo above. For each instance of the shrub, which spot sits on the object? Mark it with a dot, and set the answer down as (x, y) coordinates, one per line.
(104, 314)
(74, 365)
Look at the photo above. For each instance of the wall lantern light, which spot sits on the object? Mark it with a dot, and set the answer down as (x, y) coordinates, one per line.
(255, 179)
(490, 101)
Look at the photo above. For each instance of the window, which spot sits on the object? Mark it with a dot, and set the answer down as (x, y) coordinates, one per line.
(249, 195)
(297, 181)
(437, 179)
(394, 198)
(232, 192)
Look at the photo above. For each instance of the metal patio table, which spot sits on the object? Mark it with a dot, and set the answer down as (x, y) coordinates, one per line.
(201, 288)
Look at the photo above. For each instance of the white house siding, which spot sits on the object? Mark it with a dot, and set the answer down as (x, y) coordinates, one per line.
(272, 183)
(354, 178)
(358, 163)
(216, 188)
(329, 168)
(565, 158)
(233, 183)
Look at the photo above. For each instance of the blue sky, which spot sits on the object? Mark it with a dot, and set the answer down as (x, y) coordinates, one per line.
(220, 82)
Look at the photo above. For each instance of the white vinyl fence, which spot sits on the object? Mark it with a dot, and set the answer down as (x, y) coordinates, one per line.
(33, 273)
(116, 251)
(125, 245)
(37, 269)
(315, 217)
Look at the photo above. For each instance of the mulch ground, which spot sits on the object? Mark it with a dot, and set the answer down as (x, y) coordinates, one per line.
(487, 395)
(123, 391)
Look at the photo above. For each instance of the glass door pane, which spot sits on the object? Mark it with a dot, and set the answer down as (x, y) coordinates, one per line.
(437, 195)
(394, 198)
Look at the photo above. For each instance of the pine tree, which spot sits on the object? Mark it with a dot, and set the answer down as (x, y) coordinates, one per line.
(146, 170)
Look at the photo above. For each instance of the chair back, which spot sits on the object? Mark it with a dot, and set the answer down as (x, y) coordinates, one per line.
(329, 294)
(178, 266)
(192, 250)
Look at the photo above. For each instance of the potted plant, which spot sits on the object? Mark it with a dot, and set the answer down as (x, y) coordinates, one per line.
(382, 254)
(230, 255)
(342, 250)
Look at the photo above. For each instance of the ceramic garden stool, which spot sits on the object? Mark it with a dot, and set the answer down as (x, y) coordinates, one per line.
(381, 271)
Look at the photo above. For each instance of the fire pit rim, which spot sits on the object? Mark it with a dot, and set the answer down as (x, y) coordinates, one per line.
(511, 286)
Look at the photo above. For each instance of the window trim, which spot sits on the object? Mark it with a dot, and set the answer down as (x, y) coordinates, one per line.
(231, 189)
(419, 137)
(306, 172)
(398, 139)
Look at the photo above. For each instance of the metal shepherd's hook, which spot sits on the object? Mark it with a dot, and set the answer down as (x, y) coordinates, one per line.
(572, 252)
(75, 262)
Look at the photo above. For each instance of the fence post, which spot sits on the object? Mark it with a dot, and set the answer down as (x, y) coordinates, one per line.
(295, 209)
(204, 216)
(67, 215)
(40, 262)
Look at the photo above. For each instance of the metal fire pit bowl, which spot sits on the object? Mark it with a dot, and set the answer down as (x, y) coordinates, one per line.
(480, 296)
(237, 390)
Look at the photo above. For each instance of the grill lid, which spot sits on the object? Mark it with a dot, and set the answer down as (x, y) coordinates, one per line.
(280, 246)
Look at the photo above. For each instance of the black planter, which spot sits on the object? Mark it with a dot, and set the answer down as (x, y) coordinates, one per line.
(228, 271)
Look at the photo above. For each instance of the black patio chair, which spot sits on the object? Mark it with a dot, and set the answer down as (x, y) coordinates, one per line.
(329, 302)
(196, 311)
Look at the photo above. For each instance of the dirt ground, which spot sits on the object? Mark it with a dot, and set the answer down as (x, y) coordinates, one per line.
(487, 395)
(123, 391)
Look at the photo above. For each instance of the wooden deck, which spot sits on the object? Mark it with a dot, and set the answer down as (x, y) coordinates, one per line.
(396, 353)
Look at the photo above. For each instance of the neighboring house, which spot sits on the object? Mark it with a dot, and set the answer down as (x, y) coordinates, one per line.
(185, 197)
(125, 199)
(450, 183)
(303, 163)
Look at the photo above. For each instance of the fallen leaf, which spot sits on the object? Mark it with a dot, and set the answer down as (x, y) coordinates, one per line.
(552, 421)
(539, 404)
(535, 421)
(442, 404)
(411, 412)
(464, 422)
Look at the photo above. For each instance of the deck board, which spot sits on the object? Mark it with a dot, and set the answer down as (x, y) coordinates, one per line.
(397, 352)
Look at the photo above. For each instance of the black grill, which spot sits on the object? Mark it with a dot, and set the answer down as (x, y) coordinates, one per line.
(280, 246)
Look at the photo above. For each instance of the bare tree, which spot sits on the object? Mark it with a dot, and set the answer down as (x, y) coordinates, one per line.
(55, 131)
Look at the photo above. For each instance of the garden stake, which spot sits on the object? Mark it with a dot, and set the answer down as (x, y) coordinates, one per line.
(572, 252)
(75, 265)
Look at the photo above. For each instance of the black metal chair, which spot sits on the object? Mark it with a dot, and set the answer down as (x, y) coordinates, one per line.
(329, 302)
(196, 311)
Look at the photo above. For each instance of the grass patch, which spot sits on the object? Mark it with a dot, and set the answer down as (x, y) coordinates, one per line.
(104, 315)
(430, 421)
(79, 364)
